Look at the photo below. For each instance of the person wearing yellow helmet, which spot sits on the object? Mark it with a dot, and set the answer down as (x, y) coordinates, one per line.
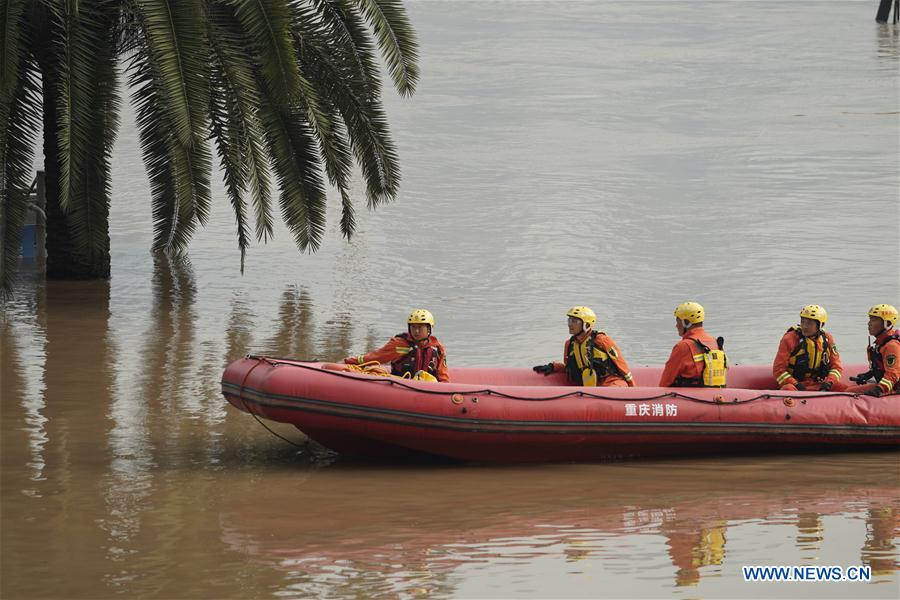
(697, 360)
(412, 351)
(591, 358)
(807, 357)
(883, 353)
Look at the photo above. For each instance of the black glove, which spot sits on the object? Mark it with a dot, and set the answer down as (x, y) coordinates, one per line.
(826, 387)
(800, 387)
(862, 377)
(545, 369)
(875, 393)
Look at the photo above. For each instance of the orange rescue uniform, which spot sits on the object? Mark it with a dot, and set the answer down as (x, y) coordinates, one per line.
(686, 359)
(407, 356)
(607, 362)
(817, 356)
(884, 360)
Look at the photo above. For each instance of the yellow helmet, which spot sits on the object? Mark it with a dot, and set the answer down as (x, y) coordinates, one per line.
(814, 312)
(583, 313)
(690, 311)
(420, 316)
(886, 312)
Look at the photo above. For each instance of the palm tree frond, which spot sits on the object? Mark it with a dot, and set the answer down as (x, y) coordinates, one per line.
(397, 41)
(233, 74)
(11, 29)
(231, 144)
(268, 26)
(179, 167)
(353, 100)
(296, 165)
(20, 124)
(174, 38)
(87, 105)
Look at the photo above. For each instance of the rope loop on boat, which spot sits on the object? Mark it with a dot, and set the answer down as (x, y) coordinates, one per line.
(493, 392)
(260, 360)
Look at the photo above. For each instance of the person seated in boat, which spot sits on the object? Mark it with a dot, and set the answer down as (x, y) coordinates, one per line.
(412, 351)
(697, 360)
(807, 357)
(884, 355)
(591, 357)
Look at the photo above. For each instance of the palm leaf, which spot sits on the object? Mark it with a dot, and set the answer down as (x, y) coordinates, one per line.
(366, 123)
(353, 98)
(171, 79)
(11, 28)
(175, 41)
(87, 104)
(21, 122)
(296, 165)
(231, 142)
(233, 73)
(267, 23)
(397, 41)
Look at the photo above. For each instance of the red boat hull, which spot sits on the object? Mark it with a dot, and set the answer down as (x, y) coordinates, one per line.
(515, 415)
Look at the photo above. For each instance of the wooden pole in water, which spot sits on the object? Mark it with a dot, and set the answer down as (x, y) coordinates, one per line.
(884, 11)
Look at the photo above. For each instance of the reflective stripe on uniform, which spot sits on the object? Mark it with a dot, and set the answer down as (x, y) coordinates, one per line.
(886, 383)
(783, 377)
(698, 358)
(628, 376)
(402, 349)
(836, 373)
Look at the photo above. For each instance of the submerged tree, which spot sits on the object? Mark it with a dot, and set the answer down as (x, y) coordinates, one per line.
(283, 89)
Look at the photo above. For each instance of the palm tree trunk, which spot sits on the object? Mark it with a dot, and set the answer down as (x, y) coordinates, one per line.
(65, 259)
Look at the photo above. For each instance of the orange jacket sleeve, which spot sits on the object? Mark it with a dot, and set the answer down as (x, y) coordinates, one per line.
(609, 346)
(387, 353)
(780, 367)
(890, 353)
(443, 373)
(680, 356)
(835, 368)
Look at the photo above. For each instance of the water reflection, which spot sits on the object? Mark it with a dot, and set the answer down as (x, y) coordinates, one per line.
(144, 468)
(22, 367)
(889, 45)
(293, 326)
(880, 551)
(422, 529)
(693, 545)
(809, 531)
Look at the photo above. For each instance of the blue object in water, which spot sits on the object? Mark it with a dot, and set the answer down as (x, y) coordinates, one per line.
(29, 241)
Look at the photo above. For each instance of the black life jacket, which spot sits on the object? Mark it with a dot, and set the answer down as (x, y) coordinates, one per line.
(876, 360)
(419, 358)
(600, 362)
(800, 369)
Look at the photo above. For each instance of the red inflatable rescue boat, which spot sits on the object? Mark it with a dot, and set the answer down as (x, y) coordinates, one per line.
(516, 415)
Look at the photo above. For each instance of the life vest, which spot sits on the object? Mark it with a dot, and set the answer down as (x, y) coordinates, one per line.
(799, 363)
(416, 358)
(600, 365)
(876, 360)
(715, 367)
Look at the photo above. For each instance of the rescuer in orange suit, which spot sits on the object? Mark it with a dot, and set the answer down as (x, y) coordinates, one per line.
(697, 359)
(807, 357)
(591, 358)
(884, 354)
(412, 352)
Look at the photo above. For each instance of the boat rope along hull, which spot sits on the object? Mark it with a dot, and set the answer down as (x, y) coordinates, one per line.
(484, 421)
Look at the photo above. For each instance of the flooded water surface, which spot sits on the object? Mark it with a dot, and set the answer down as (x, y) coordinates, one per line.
(626, 156)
